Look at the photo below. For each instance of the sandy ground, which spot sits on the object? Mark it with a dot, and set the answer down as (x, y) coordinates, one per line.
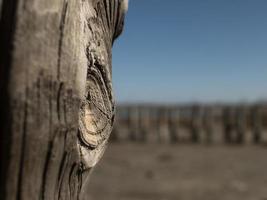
(187, 172)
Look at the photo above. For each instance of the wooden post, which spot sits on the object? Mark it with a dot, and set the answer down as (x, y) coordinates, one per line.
(134, 123)
(163, 126)
(145, 122)
(174, 116)
(56, 100)
(121, 126)
(152, 133)
(208, 123)
(256, 124)
(240, 124)
(228, 123)
(195, 124)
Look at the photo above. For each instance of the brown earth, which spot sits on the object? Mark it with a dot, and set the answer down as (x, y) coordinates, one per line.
(184, 172)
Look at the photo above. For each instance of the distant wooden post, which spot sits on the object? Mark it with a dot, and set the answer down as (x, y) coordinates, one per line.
(195, 124)
(174, 116)
(240, 124)
(145, 123)
(122, 124)
(56, 102)
(134, 125)
(256, 124)
(208, 123)
(228, 124)
(163, 128)
(153, 129)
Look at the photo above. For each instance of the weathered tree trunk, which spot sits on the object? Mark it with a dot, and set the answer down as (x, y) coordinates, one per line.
(56, 100)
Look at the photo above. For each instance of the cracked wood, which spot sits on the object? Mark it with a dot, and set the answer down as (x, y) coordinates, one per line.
(57, 106)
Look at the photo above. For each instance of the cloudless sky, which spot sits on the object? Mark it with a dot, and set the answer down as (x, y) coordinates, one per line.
(192, 50)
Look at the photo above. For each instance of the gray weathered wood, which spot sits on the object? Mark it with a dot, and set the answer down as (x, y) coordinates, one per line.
(57, 107)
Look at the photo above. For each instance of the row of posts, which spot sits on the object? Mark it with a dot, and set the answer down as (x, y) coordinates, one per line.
(231, 124)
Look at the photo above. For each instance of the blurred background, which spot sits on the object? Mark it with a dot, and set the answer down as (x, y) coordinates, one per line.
(190, 81)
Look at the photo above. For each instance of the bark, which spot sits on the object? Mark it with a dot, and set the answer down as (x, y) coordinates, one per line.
(57, 107)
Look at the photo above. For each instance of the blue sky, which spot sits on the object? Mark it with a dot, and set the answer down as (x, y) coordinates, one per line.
(192, 50)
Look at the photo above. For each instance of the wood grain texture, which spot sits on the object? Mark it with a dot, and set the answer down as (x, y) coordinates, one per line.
(57, 107)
